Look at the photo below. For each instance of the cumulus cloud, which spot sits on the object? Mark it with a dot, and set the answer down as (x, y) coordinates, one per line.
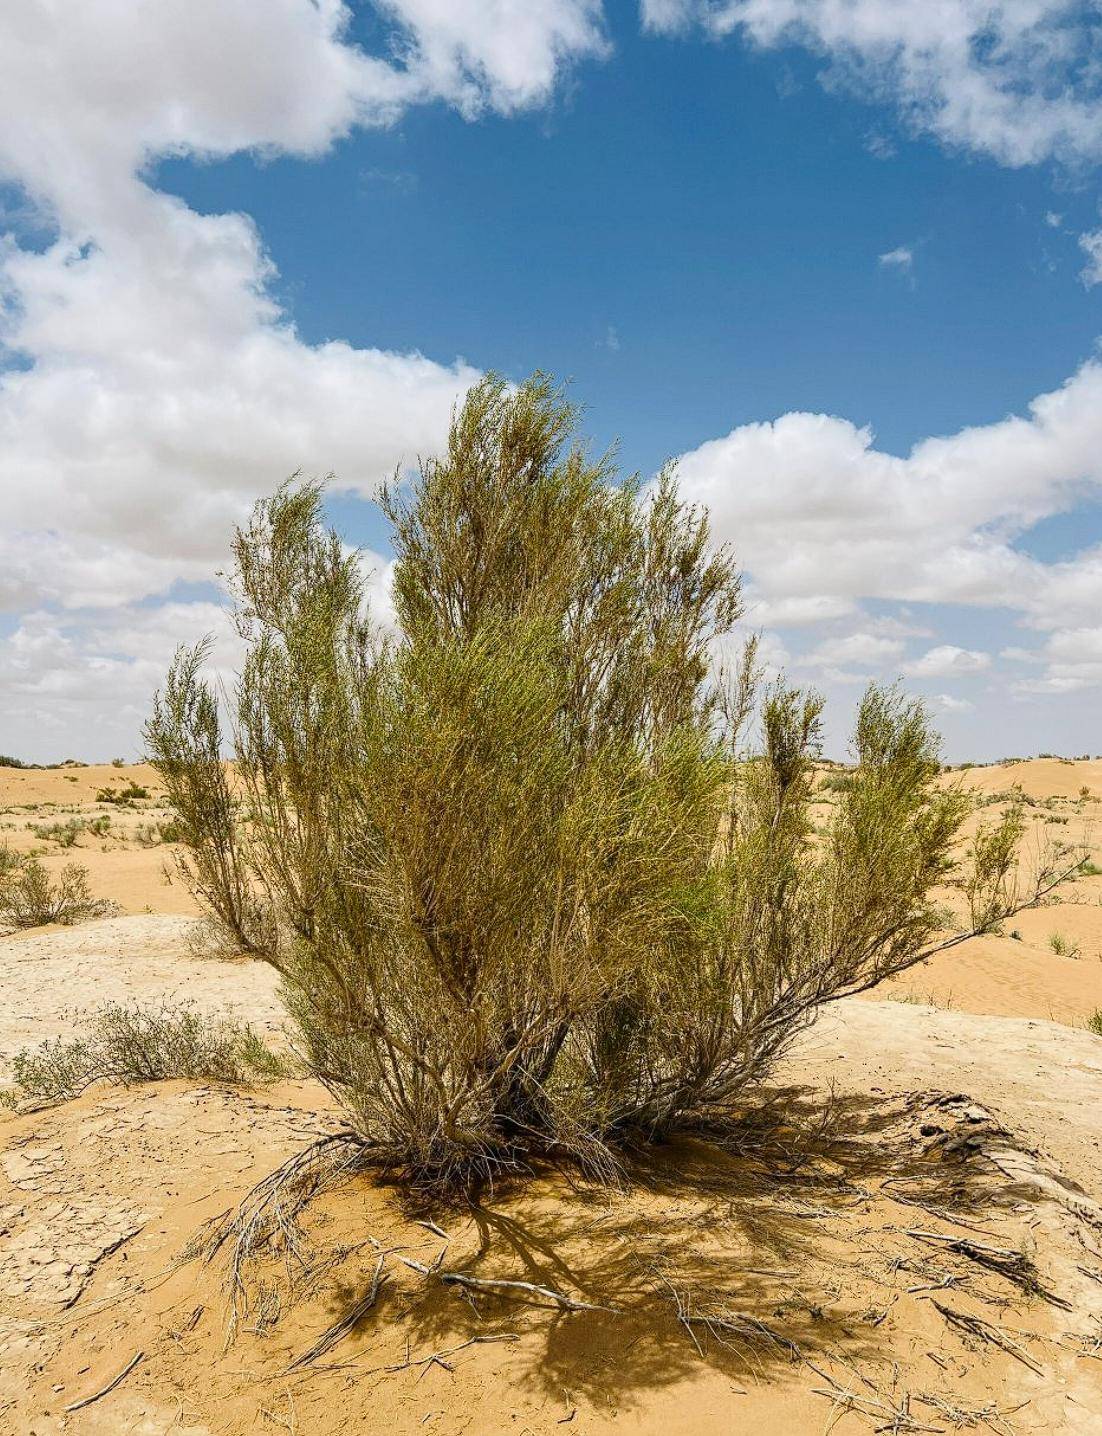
(1073, 661)
(860, 650)
(825, 522)
(947, 661)
(948, 703)
(1018, 80)
(157, 387)
(1091, 245)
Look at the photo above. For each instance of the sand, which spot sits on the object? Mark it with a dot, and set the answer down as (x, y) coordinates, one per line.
(909, 1127)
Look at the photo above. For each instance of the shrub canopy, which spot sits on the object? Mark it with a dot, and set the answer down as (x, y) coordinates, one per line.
(528, 887)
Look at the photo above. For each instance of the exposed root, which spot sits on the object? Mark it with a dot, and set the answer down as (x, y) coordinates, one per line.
(269, 1216)
(524, 1289)
(985, 1331)
(351, 1319)
(440, 1358)
(993, 1416)
(1013, 1265)
(886, 1413)
(103, 1390)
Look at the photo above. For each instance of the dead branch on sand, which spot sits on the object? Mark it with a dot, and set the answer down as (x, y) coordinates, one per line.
(507, 1288)
(103, 1390)
(333, 1334)
(985, 1331)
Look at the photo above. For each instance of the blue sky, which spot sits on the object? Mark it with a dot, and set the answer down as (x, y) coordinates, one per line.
(244, 239)
(719, 213)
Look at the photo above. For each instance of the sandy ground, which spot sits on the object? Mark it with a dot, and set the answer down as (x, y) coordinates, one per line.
(962, 1106)
(48, 976)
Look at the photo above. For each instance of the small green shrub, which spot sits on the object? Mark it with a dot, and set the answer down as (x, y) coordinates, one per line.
(127, 1043)
(1090, 870)
(837, 783)
(28, 898)
(1094, 1022)
(1062, 946)
(64, 834)
(117, 763)
(122, 797)
(152, 835)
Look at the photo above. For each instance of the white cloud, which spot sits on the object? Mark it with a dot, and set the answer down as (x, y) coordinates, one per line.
(949, 704)
(1073, 659)
(948, 661)
(80, 685)
(1053, 220)
(1091, 245)
(793, 610)
(861, 650)
(902, 259)
(824, 522)
(159, 386)
(1018, 80)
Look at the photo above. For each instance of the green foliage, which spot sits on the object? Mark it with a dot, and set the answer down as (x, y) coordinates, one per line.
(1062, 946)
(28, 897)
(122, 797)
(128, 1044)
(66, 833)
(152, 835)
(526, 884)
(1094, 1022)
(837, 783)
(7, 761)
(184, 738)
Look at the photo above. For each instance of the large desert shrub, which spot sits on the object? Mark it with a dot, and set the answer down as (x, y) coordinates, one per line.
(528, 887)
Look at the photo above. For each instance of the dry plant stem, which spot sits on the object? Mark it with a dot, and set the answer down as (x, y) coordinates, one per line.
(115, 1381)
(523, 1289)
(439, 1358)
(335, 1333)
(272, 1209)
(986, 1331)
(1014, 1266)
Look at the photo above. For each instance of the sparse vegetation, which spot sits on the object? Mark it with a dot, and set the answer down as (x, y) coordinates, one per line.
(1062, 946)
(29, 898)
(837, 783)
(128, 1043)
(1094, 1022)
(66, 833)
(528, 886)
(152, 835)
(124, 797)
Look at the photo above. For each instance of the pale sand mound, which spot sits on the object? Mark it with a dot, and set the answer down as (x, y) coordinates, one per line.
(1037, 777)
(48, 976)
(1042, 1080)
(1004, 978)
